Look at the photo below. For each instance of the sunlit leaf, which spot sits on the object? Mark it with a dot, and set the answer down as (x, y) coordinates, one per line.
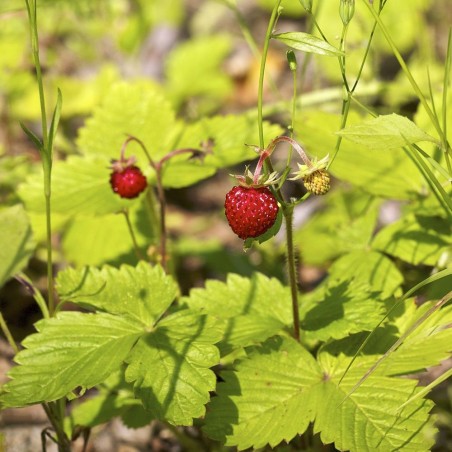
(415, 239)
(253, 309)
(142, 292)
(279, 389)
(369, 268)
(16, 243)
(385, 132)
(71, 350)
(307, 43)
(170, 367)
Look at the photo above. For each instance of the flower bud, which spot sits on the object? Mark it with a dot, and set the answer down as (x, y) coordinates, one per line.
(346, 10)
(292, 60)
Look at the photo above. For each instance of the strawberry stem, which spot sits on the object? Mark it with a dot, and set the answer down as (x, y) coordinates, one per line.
(295, 145)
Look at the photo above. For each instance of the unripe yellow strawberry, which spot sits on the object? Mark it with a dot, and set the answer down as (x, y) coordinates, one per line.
(318, 182)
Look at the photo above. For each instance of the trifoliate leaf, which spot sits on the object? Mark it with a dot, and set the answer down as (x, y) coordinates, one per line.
(307, 43)
(170, 367)
(253, 309)
(415, 239)
(369, 268)
(16, 243)
(80, 185)
(142, 293)
(339, 308)
(279, 389)
(267, 400)
(71, 350)
(385, 132)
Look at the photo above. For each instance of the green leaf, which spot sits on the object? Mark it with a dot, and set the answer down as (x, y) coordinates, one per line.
(308, 43)
(139, 109)
(33, 137)
(80, 185)
(267, 399)
(415, 239)
(388, 174)
(142, 293)
(427, 346)
(369, 419)
(106, 239)
(345, 222)
(338, 309)
(113, 400)
(385, 132)
(170, 367)
(279, 389)
(194, 70)
(71, 350)
(16, 243)
(368, 268)
(253, 308)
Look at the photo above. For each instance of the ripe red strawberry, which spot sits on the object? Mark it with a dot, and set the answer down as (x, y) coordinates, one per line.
(250, 211)
(127, 182)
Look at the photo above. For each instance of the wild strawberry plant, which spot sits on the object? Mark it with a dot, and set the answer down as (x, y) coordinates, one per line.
(253, 359)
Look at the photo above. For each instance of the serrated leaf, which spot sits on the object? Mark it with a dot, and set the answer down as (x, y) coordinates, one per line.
(16, 242)
(415, 239)
(345, 222)
(253, 309)
(385, 132)
(139, 109)
(142, 293)
(369, 419)
(71, 350)
(80, 185)
(279, 389)
(427, 346)
(339, 309)
(267, 400)
(170, 367)
(308, 43)
(369, 268)
(388, 174)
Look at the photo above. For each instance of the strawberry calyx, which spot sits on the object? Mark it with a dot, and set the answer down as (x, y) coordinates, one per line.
(306, 170)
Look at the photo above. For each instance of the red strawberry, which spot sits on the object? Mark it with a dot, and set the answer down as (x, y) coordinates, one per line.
(128, 181)
(250, 211)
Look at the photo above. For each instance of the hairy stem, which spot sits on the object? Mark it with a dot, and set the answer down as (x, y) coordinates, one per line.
(286, 208)
(292, 270)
